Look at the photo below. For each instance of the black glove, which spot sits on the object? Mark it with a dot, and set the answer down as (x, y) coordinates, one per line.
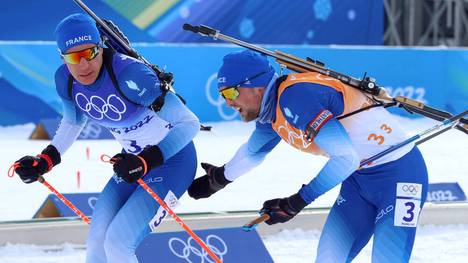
(29, 168)
(282, 210)
(131, 167)
(210, 183)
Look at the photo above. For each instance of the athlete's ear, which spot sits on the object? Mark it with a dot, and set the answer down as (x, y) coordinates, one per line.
(259, 90)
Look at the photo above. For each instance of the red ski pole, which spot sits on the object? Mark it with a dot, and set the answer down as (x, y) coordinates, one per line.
(173, 214)
(178, 220)
(56, 193)
(65, 200)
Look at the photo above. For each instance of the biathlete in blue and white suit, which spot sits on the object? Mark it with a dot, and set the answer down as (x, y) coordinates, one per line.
(308, 111)
(156, 145)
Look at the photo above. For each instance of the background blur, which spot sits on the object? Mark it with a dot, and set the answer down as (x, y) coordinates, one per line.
(387, 39)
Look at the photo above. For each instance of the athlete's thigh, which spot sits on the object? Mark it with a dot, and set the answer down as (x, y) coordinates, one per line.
(169, 182)
(400, 204)
(349, 226)
(110, 200)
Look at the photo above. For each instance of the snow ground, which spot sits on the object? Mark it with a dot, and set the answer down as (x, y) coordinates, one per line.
(445, 156)
(434, 244)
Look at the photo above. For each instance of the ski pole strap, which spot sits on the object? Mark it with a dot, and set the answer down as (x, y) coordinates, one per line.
(11, 170)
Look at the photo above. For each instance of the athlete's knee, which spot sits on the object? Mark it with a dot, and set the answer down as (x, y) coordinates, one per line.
(116, 244)
(95, 249)
(95, 241)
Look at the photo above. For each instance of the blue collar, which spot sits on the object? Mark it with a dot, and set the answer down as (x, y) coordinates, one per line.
(267, 109)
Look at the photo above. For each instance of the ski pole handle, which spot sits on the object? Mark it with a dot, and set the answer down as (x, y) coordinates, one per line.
(253, 224)
(11, 173)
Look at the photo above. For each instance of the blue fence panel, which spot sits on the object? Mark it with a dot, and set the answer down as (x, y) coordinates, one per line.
(228, 244)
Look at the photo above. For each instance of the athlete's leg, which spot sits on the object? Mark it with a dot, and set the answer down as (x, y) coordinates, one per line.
(110, 200)
(349, 225)
(400, 203)
(132, 223)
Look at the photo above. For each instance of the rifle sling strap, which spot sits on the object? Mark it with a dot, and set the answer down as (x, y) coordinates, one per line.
(107, 61)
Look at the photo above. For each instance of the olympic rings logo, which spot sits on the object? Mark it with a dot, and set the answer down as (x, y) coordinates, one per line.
(412, 189)
(184, 250)
(96, 107)
(92, 202)
(219, 101)
(293, 136)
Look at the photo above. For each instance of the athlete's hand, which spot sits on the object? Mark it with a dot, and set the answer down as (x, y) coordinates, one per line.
(129, 167)
(282, 210)
(210, 183)
(29, 168)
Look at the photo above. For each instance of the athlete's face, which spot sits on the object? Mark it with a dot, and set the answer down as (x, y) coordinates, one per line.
(85, 71)
(248, 102)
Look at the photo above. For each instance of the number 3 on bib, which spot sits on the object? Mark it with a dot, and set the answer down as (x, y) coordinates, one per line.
(407, 212)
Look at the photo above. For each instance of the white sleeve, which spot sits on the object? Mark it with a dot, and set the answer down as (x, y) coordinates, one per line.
(66, 135)
(241, 163)
(252, 153)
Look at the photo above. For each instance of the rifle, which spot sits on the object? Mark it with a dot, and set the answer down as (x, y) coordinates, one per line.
(366, 84)
(114, 38)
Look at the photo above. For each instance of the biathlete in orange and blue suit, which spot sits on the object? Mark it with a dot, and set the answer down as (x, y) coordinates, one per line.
(314, 113)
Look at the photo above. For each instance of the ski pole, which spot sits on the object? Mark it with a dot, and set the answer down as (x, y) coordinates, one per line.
(174, 215)
(65, 200)
(446, 125)
(56, 193)
(254, 223)
(178, 219)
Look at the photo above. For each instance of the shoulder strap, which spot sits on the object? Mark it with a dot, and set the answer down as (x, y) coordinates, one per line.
(157, 103)
(70, 86)
(108, 56)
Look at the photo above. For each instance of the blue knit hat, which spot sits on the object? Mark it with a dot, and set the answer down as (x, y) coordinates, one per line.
(76, 29)
(243, 65)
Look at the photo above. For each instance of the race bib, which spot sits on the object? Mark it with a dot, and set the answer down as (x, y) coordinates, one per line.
(171, 201)
(408, 204)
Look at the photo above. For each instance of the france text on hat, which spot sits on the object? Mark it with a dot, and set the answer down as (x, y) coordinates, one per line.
(76, 29)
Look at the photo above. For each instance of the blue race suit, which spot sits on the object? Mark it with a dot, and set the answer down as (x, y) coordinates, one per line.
(383, 198)
(125, 213)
